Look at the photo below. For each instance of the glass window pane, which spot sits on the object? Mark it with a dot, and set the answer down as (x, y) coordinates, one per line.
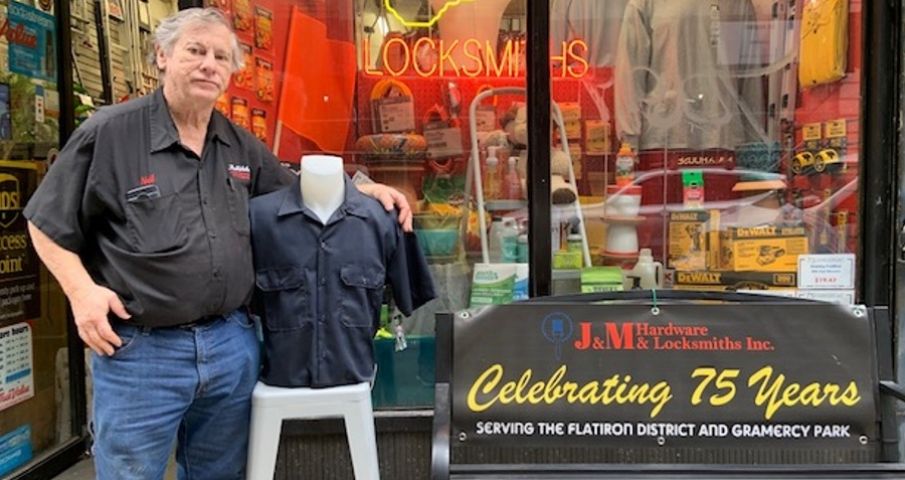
(713, 144)
(35, 411)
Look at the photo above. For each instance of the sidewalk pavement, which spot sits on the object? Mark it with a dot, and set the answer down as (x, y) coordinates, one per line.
(84, 470)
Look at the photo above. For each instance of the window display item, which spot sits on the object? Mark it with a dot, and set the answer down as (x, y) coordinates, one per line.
(222, 104)
(392, 107)
(693, 189)
(245, 78)
(259, 124)
(646, 274)
(222, 5)
(597, 137)
(243, 16)
(511, 188)
(492, 175)
(734, 281)
(321, 337)
(263, 28)
(693, 238)
(562, 192)
(762, 249)
(823, 51)
(621, 216)
(601, 279)
(264, 71)
(680, 79)
(240, 114)
(625, 165)
(396, 160)
(596, 22)
(468, 22)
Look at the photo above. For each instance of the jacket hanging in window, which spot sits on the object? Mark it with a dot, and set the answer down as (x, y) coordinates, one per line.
(824, 42)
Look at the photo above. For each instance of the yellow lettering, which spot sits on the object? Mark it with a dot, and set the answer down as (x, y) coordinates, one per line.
(416, 48)
(475, 56)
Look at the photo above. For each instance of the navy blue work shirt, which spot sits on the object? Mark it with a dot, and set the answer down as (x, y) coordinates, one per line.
(319, 288)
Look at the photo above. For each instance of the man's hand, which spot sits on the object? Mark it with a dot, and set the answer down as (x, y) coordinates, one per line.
(390, 197)
(90, 305)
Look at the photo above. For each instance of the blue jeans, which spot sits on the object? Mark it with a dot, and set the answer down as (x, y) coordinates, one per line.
(188, 386)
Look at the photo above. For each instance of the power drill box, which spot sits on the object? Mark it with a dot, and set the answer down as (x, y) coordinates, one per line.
(766, 248)
(694, 240)
(733, 281)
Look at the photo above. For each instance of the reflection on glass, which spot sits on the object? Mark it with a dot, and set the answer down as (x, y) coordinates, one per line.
(716, 143)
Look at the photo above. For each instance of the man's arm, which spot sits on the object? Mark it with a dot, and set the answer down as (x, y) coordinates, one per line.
(90, 302)
(390, 197)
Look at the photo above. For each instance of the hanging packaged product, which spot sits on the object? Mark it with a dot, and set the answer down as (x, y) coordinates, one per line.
(264, 69)
(263, 28)
(693, 189)
(245, 78)
(824, 42)
(597, 137)
(243, 17)
(392, 107)
(625, 165)
(240, 113)
(444, 137)
(259, 124)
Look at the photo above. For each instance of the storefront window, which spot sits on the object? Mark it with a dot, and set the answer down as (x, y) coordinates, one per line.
(35, 395)
(389, 86)
(713, 144)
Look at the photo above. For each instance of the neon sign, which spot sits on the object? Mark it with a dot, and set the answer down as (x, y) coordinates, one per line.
(485, 60)
(428, 24)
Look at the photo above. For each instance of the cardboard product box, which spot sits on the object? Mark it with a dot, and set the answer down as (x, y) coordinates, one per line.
(694, 240)
(762, 249)
(734, 281)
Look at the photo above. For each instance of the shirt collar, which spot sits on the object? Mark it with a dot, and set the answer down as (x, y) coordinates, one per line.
(163, 130)
(353, 201)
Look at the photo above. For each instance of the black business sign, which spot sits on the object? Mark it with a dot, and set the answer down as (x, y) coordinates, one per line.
(20, 293)
(687, 375)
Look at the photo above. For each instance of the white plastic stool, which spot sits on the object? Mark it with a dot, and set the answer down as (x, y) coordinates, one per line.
(271, 405)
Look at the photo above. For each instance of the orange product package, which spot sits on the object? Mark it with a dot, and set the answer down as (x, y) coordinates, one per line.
(243, 16)
(264, 70)
(222, 105)
(240, 113)
(259, 123)
(245, 78)
(263, 28)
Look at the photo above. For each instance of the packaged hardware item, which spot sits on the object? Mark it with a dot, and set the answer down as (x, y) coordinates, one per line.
(823, 51)
(240, 113)
(245, 78)
(243, 16)
(694, 240)
(721, 281)
(767, 248)
(222, 105)
(264, 70)
(259, 124)
(263, 28)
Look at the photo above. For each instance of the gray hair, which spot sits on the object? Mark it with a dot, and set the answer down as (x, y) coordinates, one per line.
(171, 28)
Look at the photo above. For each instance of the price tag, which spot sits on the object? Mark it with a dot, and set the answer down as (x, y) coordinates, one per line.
(444, 142)
(395, 114)
(826, 272)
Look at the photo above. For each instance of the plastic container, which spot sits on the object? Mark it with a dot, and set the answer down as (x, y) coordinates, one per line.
(625, 165)
(646, 274)
(492, 175)
(508, 233)
(511, 188)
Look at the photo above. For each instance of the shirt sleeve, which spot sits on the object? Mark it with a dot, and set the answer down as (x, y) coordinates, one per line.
(65, 200)
(269, 175)
(408, 274)
(632, 60)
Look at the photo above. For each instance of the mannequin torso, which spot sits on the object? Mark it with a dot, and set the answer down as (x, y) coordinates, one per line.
(322, 182)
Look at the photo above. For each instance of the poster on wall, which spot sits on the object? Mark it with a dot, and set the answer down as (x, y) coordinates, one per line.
(32, 46)
(17, 380)
(15, 449)
(19, 265)
(688, 375)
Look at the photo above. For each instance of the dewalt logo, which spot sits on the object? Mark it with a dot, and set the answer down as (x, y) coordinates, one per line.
(10, 199)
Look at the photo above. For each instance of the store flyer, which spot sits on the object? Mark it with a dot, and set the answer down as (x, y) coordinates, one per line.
(31, 34)
(15, 449)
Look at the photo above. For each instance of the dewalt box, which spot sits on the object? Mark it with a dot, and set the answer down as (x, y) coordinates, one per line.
(762, 249)
(721, 281)
(694, 240)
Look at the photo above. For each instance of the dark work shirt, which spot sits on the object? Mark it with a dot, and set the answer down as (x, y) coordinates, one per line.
(164, 229)
(319, 288)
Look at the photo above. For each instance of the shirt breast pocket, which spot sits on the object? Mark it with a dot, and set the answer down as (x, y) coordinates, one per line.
(238, 205)
(362, 294)
(155, 224)
(283, 298)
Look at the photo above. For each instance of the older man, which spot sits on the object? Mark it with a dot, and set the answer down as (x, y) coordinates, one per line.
(143, 220)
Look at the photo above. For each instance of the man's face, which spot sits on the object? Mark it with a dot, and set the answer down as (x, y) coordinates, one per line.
(199, 67)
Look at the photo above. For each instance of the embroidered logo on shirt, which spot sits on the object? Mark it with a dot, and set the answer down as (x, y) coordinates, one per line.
(240, 172)
(148, 179)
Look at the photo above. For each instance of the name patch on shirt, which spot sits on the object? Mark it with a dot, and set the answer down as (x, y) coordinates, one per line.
(240, 172)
